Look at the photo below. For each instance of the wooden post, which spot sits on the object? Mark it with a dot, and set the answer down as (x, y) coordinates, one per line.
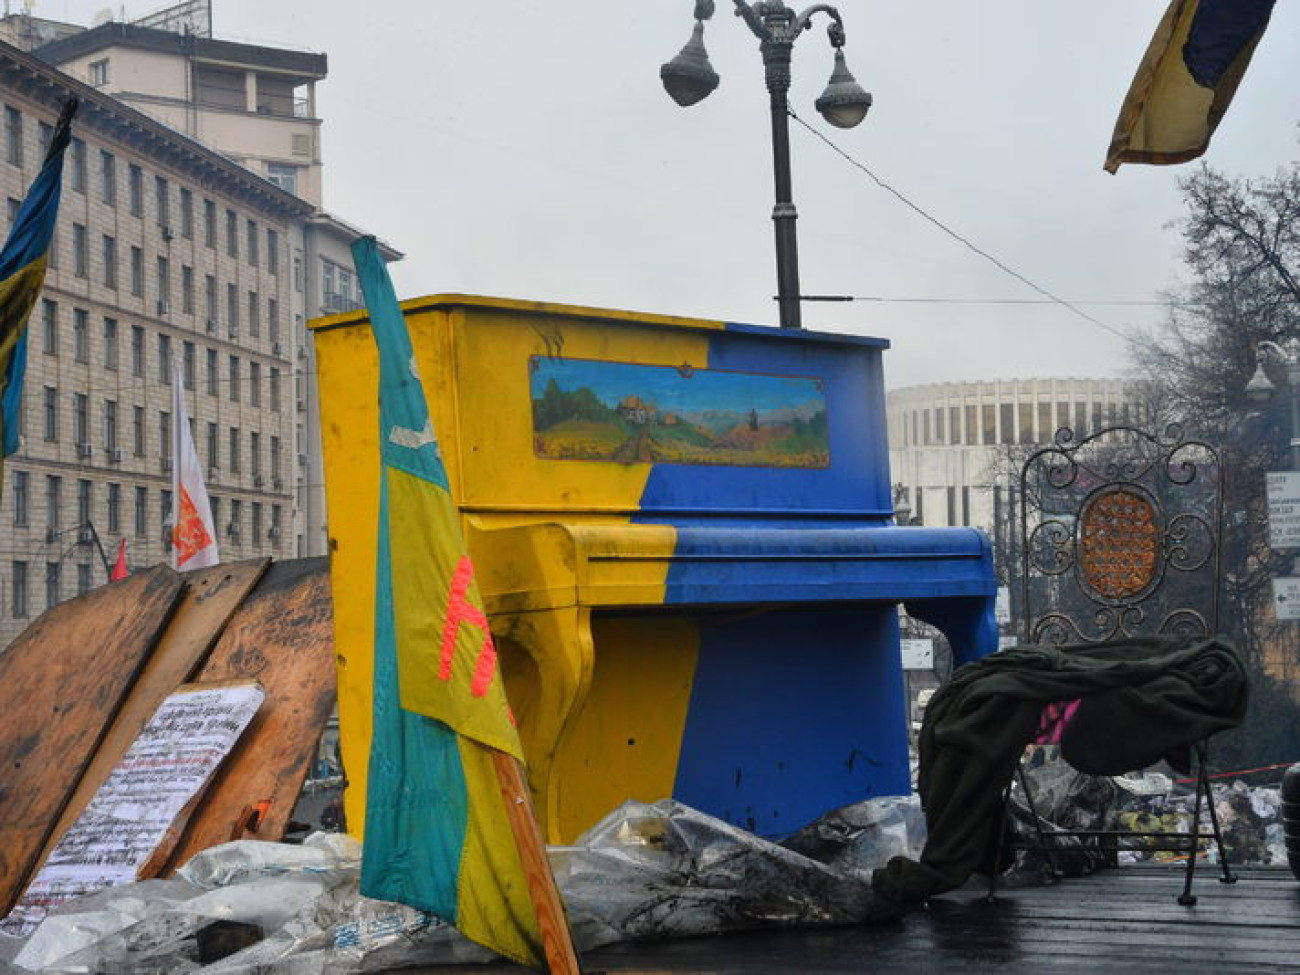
(557, 941)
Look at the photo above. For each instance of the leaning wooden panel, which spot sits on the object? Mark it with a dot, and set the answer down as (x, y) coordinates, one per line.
(62, 683)
(210, 598)
(283, 637)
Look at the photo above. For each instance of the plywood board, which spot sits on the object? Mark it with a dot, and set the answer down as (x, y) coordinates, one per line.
(62, 683)
(282, 636)
(210, 599)
(131, 818)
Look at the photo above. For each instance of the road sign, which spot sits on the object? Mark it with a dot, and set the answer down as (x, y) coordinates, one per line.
(918, 654)
(1283, 489)
(1286, 598)
(1002, 605)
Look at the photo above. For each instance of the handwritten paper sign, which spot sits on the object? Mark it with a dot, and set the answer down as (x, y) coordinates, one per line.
(144, 796)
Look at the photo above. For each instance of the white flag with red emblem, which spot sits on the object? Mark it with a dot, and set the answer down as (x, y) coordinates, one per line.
(194, 535)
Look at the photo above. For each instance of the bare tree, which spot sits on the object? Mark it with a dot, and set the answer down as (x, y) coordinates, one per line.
(1242, 248)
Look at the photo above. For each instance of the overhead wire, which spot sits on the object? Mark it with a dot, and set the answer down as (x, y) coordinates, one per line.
(961, 239)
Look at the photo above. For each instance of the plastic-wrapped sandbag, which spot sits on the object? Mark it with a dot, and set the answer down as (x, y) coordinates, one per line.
(646, 871)
(861, 837)
(665, 870)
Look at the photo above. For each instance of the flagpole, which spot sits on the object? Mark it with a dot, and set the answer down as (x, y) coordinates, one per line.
(557, 940)
(178, 414)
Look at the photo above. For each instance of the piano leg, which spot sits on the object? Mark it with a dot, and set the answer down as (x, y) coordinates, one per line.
(547, 660)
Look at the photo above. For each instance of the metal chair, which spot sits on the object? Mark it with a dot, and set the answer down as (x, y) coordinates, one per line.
(1120, 536)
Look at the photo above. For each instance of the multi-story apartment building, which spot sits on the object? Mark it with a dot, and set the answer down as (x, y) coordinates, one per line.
(190, 230)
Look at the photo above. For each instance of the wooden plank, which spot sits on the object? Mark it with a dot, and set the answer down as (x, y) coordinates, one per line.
(62, 683)
(282, 636)
(210, 598)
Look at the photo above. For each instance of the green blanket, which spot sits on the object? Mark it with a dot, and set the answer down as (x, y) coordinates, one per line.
(1142, 700)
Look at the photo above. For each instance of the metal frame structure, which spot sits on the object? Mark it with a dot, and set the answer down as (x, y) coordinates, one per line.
(1121, 535)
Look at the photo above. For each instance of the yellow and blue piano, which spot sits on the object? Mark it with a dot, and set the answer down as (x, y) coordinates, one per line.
(683, 533)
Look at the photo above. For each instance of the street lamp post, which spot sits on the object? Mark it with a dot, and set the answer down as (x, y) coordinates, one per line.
(689, 77)
(1261, 388)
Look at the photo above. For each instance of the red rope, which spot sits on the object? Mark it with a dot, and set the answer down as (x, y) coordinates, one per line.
(1248, 771)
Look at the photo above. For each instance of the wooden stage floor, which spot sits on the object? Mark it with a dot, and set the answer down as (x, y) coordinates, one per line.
(1124, 920)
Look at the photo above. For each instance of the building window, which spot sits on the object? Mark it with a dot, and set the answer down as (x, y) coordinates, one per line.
(254, 384)
(50, 326)
(53, 583)
(213, 378)
(110, 344)
(165, 359)
(275, 462)
(81, 420)
(22, 500)
(273, 321)
(83, 578)
(214, 446)
(18, 591)
(210, 301)
(257, 523)
(81, 335)
(1008, 423)
(85, 501)
(110, 426)
(51, 404)
(275, 524)
(187, 289)
(254, 317)
(53, 501)
(189, 366)
(232, 455)
(252, 235)
(141, 512)
(1026, 429)
(80, 257)
(99, 73)
(232, 309)
(209, 223)
(255, 455)
(274, 390)
(108, 177)
(163, 202)
(135, 190)
(137, 431)
(164, 286)
(137, 351)
(110, 261)
(187, 213)
(236, 517)
(232, 233)
(77, 166)
(114, 507)
(272, 251)
(164, 435)
(165, 516)
(234, 379)
(13, 136)
(137, 272)
(284, 176)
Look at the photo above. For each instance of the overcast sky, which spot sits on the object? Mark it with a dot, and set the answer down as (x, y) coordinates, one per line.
(526, 149)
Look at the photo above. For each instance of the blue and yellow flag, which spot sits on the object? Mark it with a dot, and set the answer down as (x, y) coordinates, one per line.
(22, 273)
(437, 835)
(1186, 80)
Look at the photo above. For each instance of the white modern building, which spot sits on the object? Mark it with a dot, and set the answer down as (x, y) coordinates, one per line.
(954, 447)
(191, 229)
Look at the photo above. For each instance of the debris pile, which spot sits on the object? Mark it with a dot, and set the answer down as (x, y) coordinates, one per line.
(645, 871)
